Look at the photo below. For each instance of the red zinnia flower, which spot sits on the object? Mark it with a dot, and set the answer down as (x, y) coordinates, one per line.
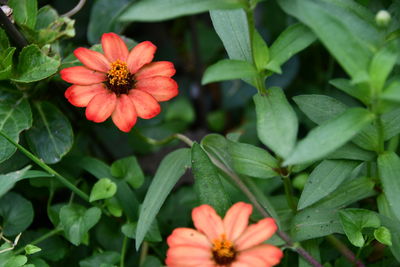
(223, 243)
(119, 83)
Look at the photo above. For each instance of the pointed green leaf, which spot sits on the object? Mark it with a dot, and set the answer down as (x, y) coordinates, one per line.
(227, 69)
(382, 234)
(260, 50)
(360, 92)
(392, 92)
(353, 152)
(31, 249)
(102, 189)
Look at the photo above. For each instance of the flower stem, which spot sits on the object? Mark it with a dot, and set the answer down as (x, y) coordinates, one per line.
(123, 251)
(143, 253)
(76, 9)
(12, 31)
(47, 168)
(40, 239)
(347, 253)
(289, 193)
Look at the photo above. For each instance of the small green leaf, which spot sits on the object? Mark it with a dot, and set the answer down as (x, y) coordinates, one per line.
(291, 41)
(24, 12)
(277, 122)
(360, 92)
(153, 234)
(382, 234)
(31, 249)
(157, 10)
(34, 65)
(129, 170)
(392, 92)
(102, 189)
(77, 221)
(228, 69)
(329, 136)
(208, 185)
(260, 51)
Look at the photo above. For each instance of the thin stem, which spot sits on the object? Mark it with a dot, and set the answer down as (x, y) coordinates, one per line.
(76, 9)
(47, 168)
(123, 251)
(347, 253)
(40, 239)
(289, 193)
(11, 30)
(143, 253)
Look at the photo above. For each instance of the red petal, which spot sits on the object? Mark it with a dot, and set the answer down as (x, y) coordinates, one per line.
(80, 96)
(188, 237)
(256, 233)
(101, 107)
(82, 75)
(159, 68)
(92, 59)
(140, 55)
(114, 48)
(161, 88)
(146, 106)
(207, 221)
(268, 254)
(124, 116)
(237, 219)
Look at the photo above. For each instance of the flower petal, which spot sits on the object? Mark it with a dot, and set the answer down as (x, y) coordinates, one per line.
(207, 221)
(159, 68)
(101, 107)
(188, 237)
(82, 75)
(256, 233)
(80, 95)
(237, 219)
(140, 55)
(146, 106)
(92, 59)
(161, 88)
(268, 254)
(187, 256)
(124, 115)
(114, 48)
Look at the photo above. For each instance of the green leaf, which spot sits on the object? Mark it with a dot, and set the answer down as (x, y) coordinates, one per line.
(329, 136)
(392, 92)
(207, 184)
(382, 234)
(353, 152)
(389, 172)
(260, 50)
(172, 167)
(24, 12)
(6, 63)
(7, 181)
(102, 189)
(15, 116)
(96, 260)
(16, 261)
(51, 135)
(354, 221)
(311, 246)
(391, 123)
(152, 261)
(152, 235)
(31, 249)
(291, 41)
(4, 42)
(180, 109)
(252, 161)
(129, 170)
(324, 179)
(227, 69)
(157, 10)
(233, 30)
(34, 65)
(360, 92)
(277, 122)
(217, 146)
(77, 221)
(16, 213)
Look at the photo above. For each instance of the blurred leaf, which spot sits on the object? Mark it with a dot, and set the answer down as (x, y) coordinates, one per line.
(129, 170)
(16, 261)
(51, 135)
(389, 172)
(228, 69)
(24, 12)
(207, 182)
(77, 221)
(392, 92)
(34, 65)
(252, 161)
(15, 116)
(152, 235)
(16, 213)
(102, 189)
(157, 10)
(180, 109)
(172, 167)
(7, 181)
(277, 122)
(216, 120)
(391, 123)
(6, 63)
(354, 221)
(4, 42)
(233, 29)
(151, 261)
(353, 152)
(291, 41)
(382, 234)
(260, 51)
(324, 179)
(329, 136)
(98, 259)
(360, 92)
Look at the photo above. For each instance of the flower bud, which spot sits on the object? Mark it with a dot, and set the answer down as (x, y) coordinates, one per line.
(382, 18)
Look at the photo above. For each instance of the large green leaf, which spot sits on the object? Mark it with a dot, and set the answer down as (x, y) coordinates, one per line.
(156, 10)
(389, 172)
(208, 185)
(291, 41)
(16, 213)
(329, 136)
(7, 181)
(51, 135)
(228, 70)
(15, 116)
(353, 152)
(172, 167)
(324, 179)
(24, 12)
(34, 65)
(277, 122)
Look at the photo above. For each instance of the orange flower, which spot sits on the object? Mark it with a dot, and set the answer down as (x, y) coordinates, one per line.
(119, 83)
(230, 242)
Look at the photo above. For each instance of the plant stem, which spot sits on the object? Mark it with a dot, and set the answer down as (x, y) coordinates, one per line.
(12, 31)
(48, 169)
(143, 253)
(75, 10)
(123, 251)
(40, 239)
(347, 253)
(289, 193)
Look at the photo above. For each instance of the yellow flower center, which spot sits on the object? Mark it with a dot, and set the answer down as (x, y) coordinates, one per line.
(223, 251)
(119, 79)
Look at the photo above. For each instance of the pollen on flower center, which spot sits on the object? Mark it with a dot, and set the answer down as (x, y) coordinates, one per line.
(223, 251)
(119, 79)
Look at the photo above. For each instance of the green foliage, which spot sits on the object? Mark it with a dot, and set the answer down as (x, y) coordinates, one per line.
(228, 70)
(16, 213)
(102, 189)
